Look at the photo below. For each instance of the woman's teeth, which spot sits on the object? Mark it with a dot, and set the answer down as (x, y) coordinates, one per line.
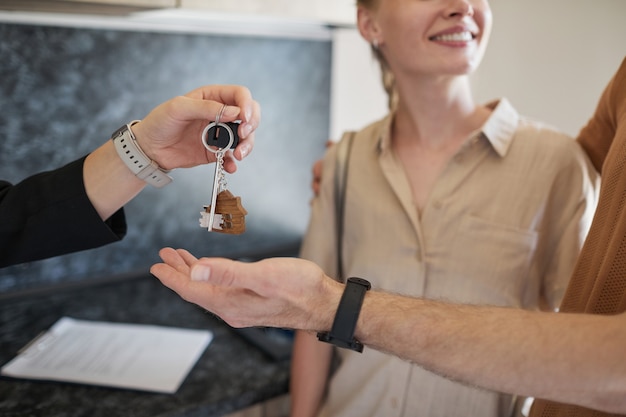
(454, 37)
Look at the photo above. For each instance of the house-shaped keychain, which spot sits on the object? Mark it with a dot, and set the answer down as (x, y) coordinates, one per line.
(229, 214)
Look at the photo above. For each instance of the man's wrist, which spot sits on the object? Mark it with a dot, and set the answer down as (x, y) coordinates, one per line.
(346, 318)
(324, 309)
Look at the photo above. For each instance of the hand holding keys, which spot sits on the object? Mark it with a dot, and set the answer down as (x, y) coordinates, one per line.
(225, 214)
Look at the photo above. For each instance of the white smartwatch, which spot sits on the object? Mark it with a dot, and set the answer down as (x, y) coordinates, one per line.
(136, 160)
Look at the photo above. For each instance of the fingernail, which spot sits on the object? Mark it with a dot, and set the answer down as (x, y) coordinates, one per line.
(243, 150)
(247, 129)
(200, 273)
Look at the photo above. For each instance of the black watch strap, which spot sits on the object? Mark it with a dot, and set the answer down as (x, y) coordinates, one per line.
(342, 332)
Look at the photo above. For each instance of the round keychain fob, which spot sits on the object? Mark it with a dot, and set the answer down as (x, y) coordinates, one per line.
(221, 136)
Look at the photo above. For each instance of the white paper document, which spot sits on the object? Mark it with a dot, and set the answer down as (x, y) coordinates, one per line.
(143, 357)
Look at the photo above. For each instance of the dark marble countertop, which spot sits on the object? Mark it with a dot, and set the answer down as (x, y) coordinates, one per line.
(230, 375)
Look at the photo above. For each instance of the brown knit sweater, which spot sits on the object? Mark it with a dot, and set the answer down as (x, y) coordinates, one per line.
(598, 284)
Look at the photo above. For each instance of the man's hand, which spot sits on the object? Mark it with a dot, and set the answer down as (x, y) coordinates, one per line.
(277, 292)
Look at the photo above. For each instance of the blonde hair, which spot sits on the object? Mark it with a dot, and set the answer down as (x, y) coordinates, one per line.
(387, 77)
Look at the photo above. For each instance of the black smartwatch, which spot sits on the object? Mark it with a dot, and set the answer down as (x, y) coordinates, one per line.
(342, 332)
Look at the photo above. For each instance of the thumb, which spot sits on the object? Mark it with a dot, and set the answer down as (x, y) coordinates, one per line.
(220, 272)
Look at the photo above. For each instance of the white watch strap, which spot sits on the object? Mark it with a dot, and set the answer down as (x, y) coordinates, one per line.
(136, 160)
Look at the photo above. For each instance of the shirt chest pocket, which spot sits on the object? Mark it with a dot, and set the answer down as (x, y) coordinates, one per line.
(493, 260)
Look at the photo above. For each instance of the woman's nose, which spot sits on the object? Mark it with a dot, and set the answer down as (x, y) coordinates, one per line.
(460, 8)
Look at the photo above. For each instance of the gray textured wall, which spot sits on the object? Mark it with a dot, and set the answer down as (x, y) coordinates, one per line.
(64, 90)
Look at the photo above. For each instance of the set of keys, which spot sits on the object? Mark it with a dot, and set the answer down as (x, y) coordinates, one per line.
(225, 214)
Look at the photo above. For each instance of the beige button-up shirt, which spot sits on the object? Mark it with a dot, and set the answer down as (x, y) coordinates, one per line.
(503, 226)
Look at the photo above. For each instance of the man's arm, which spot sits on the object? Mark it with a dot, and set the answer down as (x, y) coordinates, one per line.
(570, 358)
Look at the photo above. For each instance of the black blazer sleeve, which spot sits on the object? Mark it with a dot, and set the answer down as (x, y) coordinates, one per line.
(49, 214)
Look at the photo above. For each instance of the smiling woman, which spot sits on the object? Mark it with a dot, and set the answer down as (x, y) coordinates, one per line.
(446, 198)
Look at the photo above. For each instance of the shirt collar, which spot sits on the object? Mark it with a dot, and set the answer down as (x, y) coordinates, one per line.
(499, 128)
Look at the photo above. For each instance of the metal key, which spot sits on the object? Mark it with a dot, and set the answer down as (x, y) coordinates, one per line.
(225, 217)
(219, 183)
(226, 214)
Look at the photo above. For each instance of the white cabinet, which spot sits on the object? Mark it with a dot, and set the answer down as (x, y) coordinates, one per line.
(326, 12)
(310, 19)
(130, 3)
(331, 12)
(103, 7)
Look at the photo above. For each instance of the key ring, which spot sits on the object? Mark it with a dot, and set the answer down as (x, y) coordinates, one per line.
(217, 124)
(220, 113)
